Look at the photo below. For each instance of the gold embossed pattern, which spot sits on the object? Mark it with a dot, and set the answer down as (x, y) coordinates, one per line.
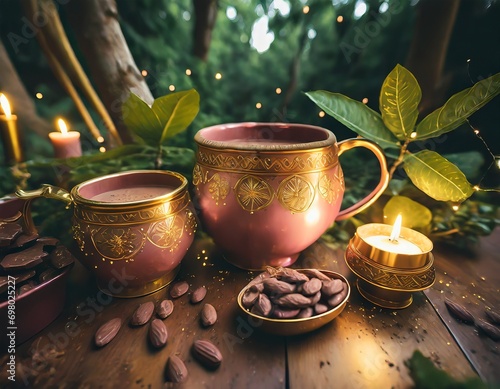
(253, 193)
(218, 187)
(296, 193)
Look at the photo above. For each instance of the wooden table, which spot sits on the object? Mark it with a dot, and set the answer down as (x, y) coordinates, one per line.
(365, 347)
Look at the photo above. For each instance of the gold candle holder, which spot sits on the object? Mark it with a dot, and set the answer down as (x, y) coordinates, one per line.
(390, 270)
(11, 139)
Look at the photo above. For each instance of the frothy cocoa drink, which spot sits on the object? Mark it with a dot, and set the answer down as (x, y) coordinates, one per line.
(127, 195)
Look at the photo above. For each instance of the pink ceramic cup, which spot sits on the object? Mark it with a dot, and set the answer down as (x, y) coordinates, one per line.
(132, 228)
(269, 190)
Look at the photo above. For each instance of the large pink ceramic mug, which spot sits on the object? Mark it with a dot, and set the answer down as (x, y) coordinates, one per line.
(269, 190)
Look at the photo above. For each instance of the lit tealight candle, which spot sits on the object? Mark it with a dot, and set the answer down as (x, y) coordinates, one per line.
(10, 133)
(66, 143)
(394, 243)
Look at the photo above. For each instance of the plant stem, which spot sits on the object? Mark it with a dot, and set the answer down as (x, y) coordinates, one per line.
(158, 161)
(399, 160)
(445, 233)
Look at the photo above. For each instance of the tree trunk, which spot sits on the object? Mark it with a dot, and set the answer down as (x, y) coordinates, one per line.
(109, 59)
(427, 55)
(22, 104)
(205, 14)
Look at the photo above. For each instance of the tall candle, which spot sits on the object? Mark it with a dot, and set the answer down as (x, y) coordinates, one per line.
(394, 243)
(9, 133)
(66, 143)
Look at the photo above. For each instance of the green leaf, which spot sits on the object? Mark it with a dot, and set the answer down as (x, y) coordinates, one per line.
(355, 115)
(427, 376)
(399, 98)
(141, 120)
(414, 214)
(458, 108)
(176, 111)
(436, 176)
(469, 162)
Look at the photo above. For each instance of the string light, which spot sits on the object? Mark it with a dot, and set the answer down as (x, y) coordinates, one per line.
(100, 139)
(144, 72)
(340, 19)
(258, 105)
(495, 160)
(413, 135)
(102, 149)
(171, 88)
(278, 91)
(321, 114)
(365, 100)
(39, 95)
(306, 9)
(218, 76)
(455, 207)
(188, 72)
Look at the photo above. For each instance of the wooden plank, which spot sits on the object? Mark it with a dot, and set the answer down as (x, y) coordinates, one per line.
(366, 346)
(472, 281)
(250, 360)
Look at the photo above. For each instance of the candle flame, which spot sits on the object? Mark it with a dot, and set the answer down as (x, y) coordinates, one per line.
(396, 230)
(62, 126)
(5, 105)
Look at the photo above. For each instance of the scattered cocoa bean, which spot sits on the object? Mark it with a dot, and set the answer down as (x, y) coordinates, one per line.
(331, 287)
(178, 289)
(311, 287)
(458, 311)
(107, 332)
(165, 309)
(142, 314)
(208, 315)
(207, 354)
(272, 286)
(158, 334)
(175, 370)
(293, 300)
(198, 295)
(489, 329)
(493, 316)
(262, 306)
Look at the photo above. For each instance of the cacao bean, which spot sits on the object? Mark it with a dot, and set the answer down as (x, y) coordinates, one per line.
(304, 313)
(293, 300)
(275, 287)
(158, 334)
(208, 315)
(316, 273)
(207, 354)
(176, 370)
(331, 287)
(107, 332)
(458, 311)
(291, 275)
(165, 309)
(336, 299)
(198, 295)
(262, 306)
(493, 316)
(489, 329)
(315, 298)
(142, 314)
(311, 287)
(320, 308)
(178, 289)
(280, 313)
(257, 287)
(249, 298)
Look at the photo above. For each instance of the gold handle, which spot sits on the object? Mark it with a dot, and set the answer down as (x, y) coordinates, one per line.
(384, 175)
(47, 191)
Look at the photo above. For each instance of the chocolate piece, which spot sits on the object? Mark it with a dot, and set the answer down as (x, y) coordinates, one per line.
(48, 241)
(107, 332)
(20, 277)
(178, 289)
(25, 259)
(142, 314)
(208, 315)
(26, 287)
(23, 240)
(198, 295)
(9, 232)
(165, 309)
(61, 257)
(158, 334)
(48, 274)
(176, 370)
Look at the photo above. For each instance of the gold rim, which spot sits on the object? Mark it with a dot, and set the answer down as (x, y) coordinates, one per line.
(113, 207)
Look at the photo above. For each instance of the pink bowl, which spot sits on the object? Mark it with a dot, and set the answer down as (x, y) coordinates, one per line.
(268, 190)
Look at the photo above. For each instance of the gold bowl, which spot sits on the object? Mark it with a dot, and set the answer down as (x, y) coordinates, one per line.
(288, 327)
